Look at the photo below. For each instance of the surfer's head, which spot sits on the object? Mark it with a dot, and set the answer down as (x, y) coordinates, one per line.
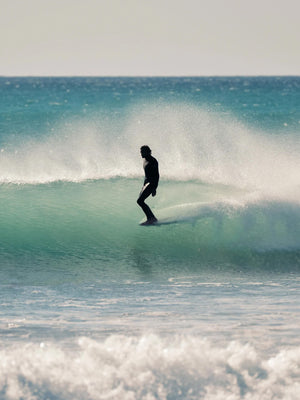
(145, 151)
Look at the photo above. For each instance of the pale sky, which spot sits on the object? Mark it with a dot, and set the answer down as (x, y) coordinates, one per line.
(149, 37)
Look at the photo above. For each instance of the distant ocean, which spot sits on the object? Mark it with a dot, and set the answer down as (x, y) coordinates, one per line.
(94, 306)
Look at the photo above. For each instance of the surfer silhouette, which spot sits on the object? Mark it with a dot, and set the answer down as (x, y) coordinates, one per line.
(150, 183)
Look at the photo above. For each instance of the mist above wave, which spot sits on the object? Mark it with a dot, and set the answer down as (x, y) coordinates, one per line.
(190, 144)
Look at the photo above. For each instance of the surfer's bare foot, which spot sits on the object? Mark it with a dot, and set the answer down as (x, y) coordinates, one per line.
(150, 221)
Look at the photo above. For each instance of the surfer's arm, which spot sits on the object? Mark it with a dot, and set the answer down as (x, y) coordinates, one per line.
(154, 176)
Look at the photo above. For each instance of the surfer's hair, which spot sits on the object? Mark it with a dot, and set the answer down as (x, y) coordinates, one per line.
(146, 149)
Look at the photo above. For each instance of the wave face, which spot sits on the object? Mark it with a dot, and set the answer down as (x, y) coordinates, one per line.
(98, 220)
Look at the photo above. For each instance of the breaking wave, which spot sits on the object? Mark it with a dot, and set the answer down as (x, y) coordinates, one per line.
(148, 367)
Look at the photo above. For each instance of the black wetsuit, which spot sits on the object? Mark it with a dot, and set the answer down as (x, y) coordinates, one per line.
(150, 185)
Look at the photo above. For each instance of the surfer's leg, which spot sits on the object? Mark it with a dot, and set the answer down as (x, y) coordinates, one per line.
(141, 202)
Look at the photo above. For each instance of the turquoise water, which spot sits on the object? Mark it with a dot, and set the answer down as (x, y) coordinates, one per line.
(95, 306)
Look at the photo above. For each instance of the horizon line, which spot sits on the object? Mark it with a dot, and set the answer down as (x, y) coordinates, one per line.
(148, 76)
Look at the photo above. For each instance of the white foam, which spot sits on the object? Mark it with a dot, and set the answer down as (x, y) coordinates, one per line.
(248, 220)
(148, 367)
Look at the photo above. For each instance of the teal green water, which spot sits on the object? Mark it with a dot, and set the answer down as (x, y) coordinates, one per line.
(97, 222)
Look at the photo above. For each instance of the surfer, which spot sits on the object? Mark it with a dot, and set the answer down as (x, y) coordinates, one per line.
(150, 183)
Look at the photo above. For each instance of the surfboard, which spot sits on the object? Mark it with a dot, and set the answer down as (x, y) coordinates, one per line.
(175, 214)
(190, 212)
(160, 222)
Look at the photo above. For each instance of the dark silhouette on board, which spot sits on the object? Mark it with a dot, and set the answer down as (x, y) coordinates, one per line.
(150, 183)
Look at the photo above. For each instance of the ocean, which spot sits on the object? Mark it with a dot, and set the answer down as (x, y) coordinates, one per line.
(95, 306)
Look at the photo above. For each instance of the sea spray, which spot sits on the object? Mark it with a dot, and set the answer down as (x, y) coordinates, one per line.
(190, 143)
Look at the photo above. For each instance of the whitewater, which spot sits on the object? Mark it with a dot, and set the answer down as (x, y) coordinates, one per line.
(205, 306)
